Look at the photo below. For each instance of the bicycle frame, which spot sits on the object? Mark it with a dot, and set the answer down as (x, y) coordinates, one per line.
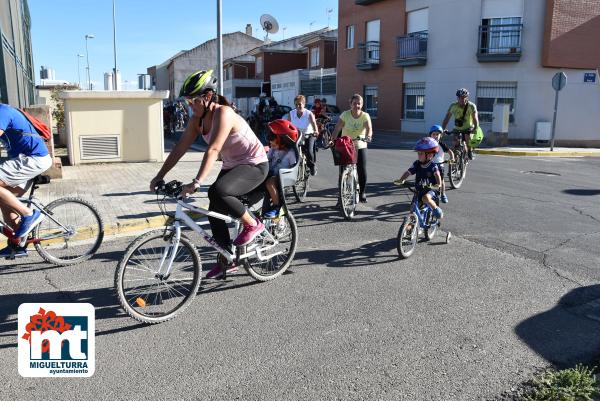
(422, 213)
(183, 218)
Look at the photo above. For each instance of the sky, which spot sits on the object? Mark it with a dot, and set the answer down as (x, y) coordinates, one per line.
(150, 31)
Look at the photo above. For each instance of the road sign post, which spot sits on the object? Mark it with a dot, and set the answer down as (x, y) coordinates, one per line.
(558, 83)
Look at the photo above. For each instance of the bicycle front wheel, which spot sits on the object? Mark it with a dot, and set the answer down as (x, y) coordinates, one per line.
(71, 232)
(301, 187)
(407, 236)
(457, 171)
(348, 196)
(278, 256)
(145, 290)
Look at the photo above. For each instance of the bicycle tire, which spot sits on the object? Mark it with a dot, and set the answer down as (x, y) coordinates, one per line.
(282, 227)
(409, 230)
(301, 186)
(348, 193)
(83, 232)
(325, 138)
(142, 312)
(456, 172)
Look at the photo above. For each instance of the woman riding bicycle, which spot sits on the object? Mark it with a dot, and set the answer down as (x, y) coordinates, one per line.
(356, 124)
(245, 164)
(305, 122)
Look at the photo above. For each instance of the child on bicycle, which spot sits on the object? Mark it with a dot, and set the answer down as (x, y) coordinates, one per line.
(282, 136)
(427, 174)
(436, 132)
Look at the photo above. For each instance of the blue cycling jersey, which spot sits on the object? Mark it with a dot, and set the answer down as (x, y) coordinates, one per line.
(14, 125)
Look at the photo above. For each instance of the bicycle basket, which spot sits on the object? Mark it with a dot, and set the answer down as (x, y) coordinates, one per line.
(344, 152)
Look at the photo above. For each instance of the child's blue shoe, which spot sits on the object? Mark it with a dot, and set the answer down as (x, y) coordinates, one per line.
(444, 198)
(437, 212)
(271, 214)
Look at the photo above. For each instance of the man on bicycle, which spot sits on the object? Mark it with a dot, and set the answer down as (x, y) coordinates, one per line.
(28, 158)
(466, 119)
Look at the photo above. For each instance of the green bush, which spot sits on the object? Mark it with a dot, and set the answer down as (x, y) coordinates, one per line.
(574, 384)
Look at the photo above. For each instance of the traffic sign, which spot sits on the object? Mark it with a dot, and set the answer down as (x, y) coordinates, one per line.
(559, 81)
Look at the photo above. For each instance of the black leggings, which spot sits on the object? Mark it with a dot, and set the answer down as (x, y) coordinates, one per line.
(361, 168)
(309, 150)
(222, 195)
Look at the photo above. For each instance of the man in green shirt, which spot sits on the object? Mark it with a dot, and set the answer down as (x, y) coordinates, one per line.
(465, 115)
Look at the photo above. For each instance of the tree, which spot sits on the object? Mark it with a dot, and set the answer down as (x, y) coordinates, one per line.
(58, 112)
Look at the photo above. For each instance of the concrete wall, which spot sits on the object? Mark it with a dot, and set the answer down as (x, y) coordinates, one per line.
(135, 117)
(452, 63)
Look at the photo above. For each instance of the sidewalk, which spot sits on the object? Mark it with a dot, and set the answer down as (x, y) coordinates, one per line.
(120, 191)
(539, 151)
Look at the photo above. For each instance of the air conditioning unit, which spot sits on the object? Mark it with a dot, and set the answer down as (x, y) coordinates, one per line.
(543, 132)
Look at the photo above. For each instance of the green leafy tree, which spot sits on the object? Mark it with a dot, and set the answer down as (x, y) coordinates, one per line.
(58, 112)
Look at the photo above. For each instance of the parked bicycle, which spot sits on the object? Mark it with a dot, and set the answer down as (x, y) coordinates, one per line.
(457, 171)
(419, 220)
(71, 231)
(160, 273)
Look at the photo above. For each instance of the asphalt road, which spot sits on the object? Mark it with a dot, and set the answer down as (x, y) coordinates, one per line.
(516, 290)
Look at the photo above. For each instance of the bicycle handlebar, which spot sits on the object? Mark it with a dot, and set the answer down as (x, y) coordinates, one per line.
(172, 188)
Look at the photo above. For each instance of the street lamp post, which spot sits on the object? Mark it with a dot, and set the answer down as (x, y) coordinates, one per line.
(115, 45)
(79, 69)
(87, 56)
(219, 47)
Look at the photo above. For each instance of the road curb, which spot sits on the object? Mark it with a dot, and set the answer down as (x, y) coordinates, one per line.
(536, 153)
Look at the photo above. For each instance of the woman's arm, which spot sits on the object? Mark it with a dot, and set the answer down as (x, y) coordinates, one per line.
(338, 128)
(187, 139)
(368, 128)
(222, 124)
(313, 122)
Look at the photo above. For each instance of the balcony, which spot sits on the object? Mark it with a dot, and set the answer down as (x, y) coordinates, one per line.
(365, 2)
(499, 43)
(411, 49)
(368, 56)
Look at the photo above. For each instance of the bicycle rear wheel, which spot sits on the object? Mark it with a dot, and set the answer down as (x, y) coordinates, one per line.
(71, 232)
(285, 231)
(348, 196)
(145, 294)
(407, 236)
(325, 138)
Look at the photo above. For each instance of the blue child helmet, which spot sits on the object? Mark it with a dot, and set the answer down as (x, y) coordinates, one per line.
(435, 128)
(427, 145)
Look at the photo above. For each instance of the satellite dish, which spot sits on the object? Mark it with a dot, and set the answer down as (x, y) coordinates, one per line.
(269, 24)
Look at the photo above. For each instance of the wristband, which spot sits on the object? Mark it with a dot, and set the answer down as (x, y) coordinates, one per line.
(196, 183)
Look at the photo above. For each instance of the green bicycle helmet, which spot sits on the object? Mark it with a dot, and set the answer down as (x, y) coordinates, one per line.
(197, 83)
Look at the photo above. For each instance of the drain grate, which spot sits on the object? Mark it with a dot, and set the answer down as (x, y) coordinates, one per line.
(547, 173)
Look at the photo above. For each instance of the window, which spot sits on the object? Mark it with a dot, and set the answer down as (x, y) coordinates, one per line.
(259, 65)
(350, 37)
(314, 57)
(492, 92)
(371, 101)
(501, 35)
(414, 100)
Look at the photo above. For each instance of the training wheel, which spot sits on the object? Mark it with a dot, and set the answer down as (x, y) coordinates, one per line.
(448, 236)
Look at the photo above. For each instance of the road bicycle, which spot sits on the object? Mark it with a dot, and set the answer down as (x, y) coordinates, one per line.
(457, 171)
(419, 220)
(349, 189)
(71, 231)
(160, 273)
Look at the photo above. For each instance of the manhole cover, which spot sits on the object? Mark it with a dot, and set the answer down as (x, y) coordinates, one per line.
(541, 173)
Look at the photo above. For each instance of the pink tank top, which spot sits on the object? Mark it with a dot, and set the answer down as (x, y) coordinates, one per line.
(242, 147)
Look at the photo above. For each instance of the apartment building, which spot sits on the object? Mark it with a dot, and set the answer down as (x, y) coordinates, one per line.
(503, 51)
(16, 58)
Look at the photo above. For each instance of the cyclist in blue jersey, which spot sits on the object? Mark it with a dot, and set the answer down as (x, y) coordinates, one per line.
(28, 157)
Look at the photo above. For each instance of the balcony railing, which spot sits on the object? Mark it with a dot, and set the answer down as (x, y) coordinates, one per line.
(368, 56)
(499, 42)
(411, 49)
(365, 2)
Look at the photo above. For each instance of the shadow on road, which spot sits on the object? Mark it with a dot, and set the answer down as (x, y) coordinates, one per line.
(582, 192)
(569, 333)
